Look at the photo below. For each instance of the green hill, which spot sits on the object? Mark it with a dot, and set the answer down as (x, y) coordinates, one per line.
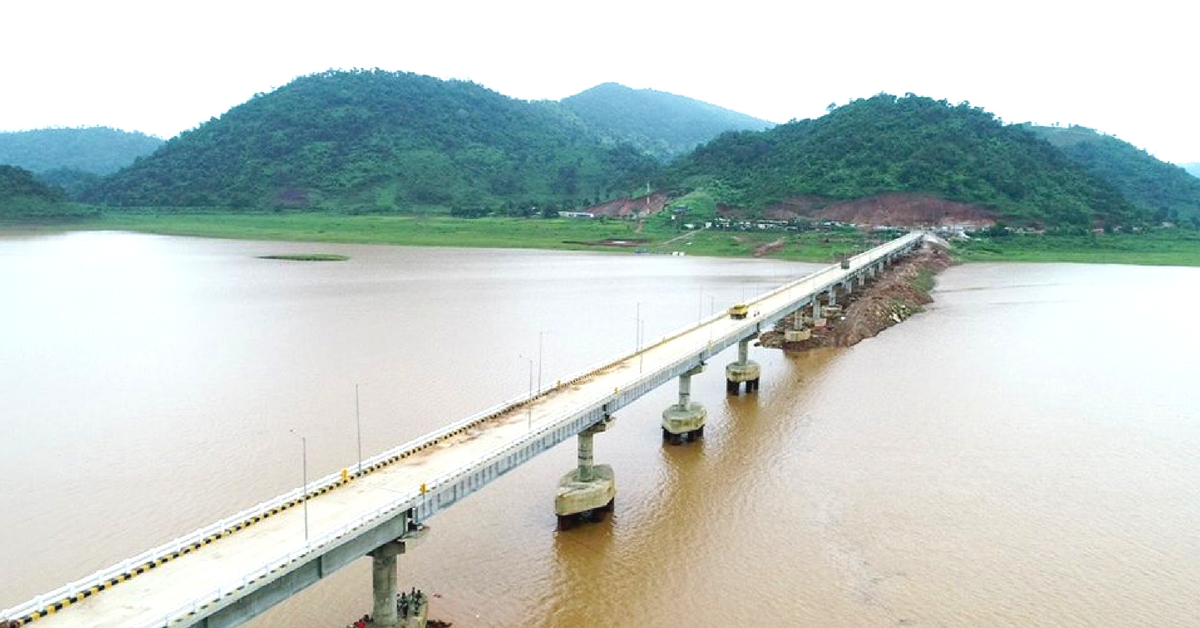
(23, 196)
(1162, 190)
(375, 141)
(658, 123)
(93, 150)
(906, 144)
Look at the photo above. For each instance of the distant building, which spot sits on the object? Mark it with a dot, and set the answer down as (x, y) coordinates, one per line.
(576, 215)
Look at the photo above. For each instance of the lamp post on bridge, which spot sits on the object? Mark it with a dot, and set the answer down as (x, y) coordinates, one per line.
(304, 479)
(638, 328)
(358, 426)
(529, 402)
(539, 377)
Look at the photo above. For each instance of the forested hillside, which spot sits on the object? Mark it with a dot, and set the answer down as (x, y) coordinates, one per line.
(380, 141)
(1162, 190)
(93, 150)
(658, 123)
(22, 195)
(906, 144)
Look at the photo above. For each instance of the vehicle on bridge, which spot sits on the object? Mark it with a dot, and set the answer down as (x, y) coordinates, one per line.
(739, 311)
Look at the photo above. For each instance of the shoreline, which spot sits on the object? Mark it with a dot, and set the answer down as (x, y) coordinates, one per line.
(1166, 247)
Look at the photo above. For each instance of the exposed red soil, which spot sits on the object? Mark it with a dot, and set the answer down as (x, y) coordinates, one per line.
(886, 301)
(625, 206)
(767, 248)
(894, 209)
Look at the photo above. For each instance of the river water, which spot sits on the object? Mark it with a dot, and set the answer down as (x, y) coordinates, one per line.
(1024, 453)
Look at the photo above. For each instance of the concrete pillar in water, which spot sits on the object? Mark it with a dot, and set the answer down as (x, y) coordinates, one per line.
(587, 492)
(684, 420)
(798, 332)
(384, 607)
(383, 584)
(744, 370)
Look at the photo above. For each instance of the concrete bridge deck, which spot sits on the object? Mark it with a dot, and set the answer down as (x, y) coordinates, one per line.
(239, 567)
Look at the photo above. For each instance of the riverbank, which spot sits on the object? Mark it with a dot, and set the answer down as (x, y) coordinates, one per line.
(889, 299)
(653, 235)
(657, 234)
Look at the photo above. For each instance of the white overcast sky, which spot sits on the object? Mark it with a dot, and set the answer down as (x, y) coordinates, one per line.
(1126, 68)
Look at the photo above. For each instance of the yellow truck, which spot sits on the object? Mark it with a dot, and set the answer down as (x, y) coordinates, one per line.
(739, 311)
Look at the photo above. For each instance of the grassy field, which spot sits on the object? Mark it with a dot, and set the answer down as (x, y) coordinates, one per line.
(655, 235)
(1168, 247)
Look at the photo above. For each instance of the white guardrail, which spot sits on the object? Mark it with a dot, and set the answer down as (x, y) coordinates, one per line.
(241, 519)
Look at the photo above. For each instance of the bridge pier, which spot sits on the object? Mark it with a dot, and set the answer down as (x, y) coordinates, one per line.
(384, 608)
(684, 420)
(587, 492)
(817, 318)
(744, 370)
(383, 584)
(798, 332)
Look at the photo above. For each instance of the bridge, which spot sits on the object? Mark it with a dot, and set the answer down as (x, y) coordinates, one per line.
(232, 570)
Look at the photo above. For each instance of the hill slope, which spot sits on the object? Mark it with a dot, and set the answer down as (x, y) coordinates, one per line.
(1162, 190)
(377, 141)
(911, 144)
(93, 150)
(1192, 169)
(661, 124)
(22, 195)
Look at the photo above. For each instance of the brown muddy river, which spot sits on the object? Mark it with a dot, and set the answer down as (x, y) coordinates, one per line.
(1024, 453)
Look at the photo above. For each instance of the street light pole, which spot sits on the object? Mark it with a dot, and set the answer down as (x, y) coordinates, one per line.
(358, 426)
(638, 328)
(304, 478)
(539, 381)
(529, 402)
(641, 335)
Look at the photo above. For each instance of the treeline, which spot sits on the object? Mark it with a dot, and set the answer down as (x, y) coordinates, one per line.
(371, 140)
(1164, 191)
(23, 196)
(659, 124)
(906, 144)
(92, 150)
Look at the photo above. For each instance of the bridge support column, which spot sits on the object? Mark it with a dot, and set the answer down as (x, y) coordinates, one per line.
(588, 492)
(385, 607)
(744, 370)
(383, 584)
(798, 332)
(684, 420)
(833, 295)
(817, 316)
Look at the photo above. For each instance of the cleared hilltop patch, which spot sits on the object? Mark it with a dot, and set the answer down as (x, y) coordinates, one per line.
(899, 208)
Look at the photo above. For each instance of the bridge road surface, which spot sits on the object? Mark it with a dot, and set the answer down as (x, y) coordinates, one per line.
(147, 598)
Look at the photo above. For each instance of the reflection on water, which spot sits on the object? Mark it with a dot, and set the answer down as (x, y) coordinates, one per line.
(1022, 454)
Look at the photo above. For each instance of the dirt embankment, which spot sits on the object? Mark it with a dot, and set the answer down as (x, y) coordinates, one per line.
(898, 293)
(896, 209)
(624, 207)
